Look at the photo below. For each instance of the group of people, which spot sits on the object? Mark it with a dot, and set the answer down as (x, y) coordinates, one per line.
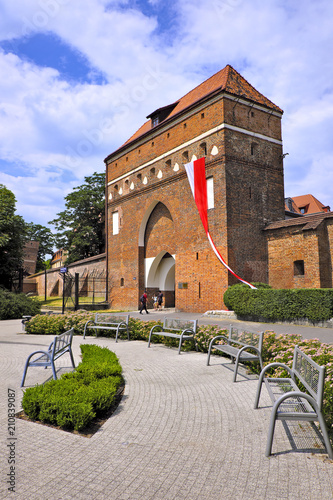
(157, 300)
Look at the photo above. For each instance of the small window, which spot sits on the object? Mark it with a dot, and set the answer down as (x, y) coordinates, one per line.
(152, 171)
(210, 192)
(121, 281)
(253, 148)
(168, 135)
(115, 223)
(139, 177)
(126, 158)
(252, 113)
(203, 149)
(155, 121)
(168, 163)
(202, 115)
(303, 210)
(185, 125)
(152, 144)
(299, 268)
(185, 157)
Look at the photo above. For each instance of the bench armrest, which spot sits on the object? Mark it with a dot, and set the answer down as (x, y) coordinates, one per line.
(155, 327)
(47, 353)
(212, 342)
(226, 339)
(85, 326)
(188, 330)
(294, 394)
(262, 374)
(152, 332)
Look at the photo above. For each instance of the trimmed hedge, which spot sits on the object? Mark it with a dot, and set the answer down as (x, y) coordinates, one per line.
(280, 305)
(78, 397)
(16, 305)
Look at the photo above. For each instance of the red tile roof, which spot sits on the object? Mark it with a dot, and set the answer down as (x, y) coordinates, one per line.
(310, 204)
(227, 80)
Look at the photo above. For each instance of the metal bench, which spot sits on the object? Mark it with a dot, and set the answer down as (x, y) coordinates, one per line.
(176, 328)
(60, 345)
(289, 402)
(108, 321)
(240, 345)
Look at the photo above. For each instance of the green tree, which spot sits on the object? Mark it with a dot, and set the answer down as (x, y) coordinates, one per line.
(80, 227)
(36, 232)
(12, 238)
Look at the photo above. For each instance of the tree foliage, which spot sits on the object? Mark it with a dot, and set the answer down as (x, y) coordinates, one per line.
(12, 238)
(80, 227)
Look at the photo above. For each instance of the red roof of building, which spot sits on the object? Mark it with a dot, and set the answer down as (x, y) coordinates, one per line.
(227, 80)
(308, 204)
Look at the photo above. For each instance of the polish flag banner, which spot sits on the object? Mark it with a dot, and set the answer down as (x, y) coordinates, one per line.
(196, 174)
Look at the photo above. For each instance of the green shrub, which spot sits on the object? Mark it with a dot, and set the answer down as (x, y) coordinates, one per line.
(230, 296)
(55, 324)
(280, 305)
(16, 305)
(74, 400)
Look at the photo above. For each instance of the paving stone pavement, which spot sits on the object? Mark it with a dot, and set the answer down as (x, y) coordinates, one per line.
(183, 430)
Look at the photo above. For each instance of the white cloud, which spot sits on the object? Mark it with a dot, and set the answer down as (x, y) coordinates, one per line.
(57, 130)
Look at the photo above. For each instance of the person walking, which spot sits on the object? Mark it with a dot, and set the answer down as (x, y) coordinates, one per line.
(160, 299)
(143, 300)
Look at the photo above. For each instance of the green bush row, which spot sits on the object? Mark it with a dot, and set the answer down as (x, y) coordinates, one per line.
(280, 305)
(78, 397)
(16, 305)
(139, 330)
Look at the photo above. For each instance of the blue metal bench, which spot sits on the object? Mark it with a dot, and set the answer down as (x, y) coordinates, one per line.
(240, 345)
(60, 345)
(108, 321)
(176, 328)
(289, 402)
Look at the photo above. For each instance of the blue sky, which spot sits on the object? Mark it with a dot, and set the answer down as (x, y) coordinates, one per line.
(78, 78)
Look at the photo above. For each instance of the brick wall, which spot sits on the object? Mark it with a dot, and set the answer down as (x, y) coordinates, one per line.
(54, 282)
(286, 246)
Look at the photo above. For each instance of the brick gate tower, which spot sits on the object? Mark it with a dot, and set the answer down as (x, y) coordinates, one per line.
(155, 239)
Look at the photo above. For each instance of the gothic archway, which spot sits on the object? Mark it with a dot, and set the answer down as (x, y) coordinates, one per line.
(157, 252)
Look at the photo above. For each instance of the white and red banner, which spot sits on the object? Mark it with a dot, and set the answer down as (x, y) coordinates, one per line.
(196, 174)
